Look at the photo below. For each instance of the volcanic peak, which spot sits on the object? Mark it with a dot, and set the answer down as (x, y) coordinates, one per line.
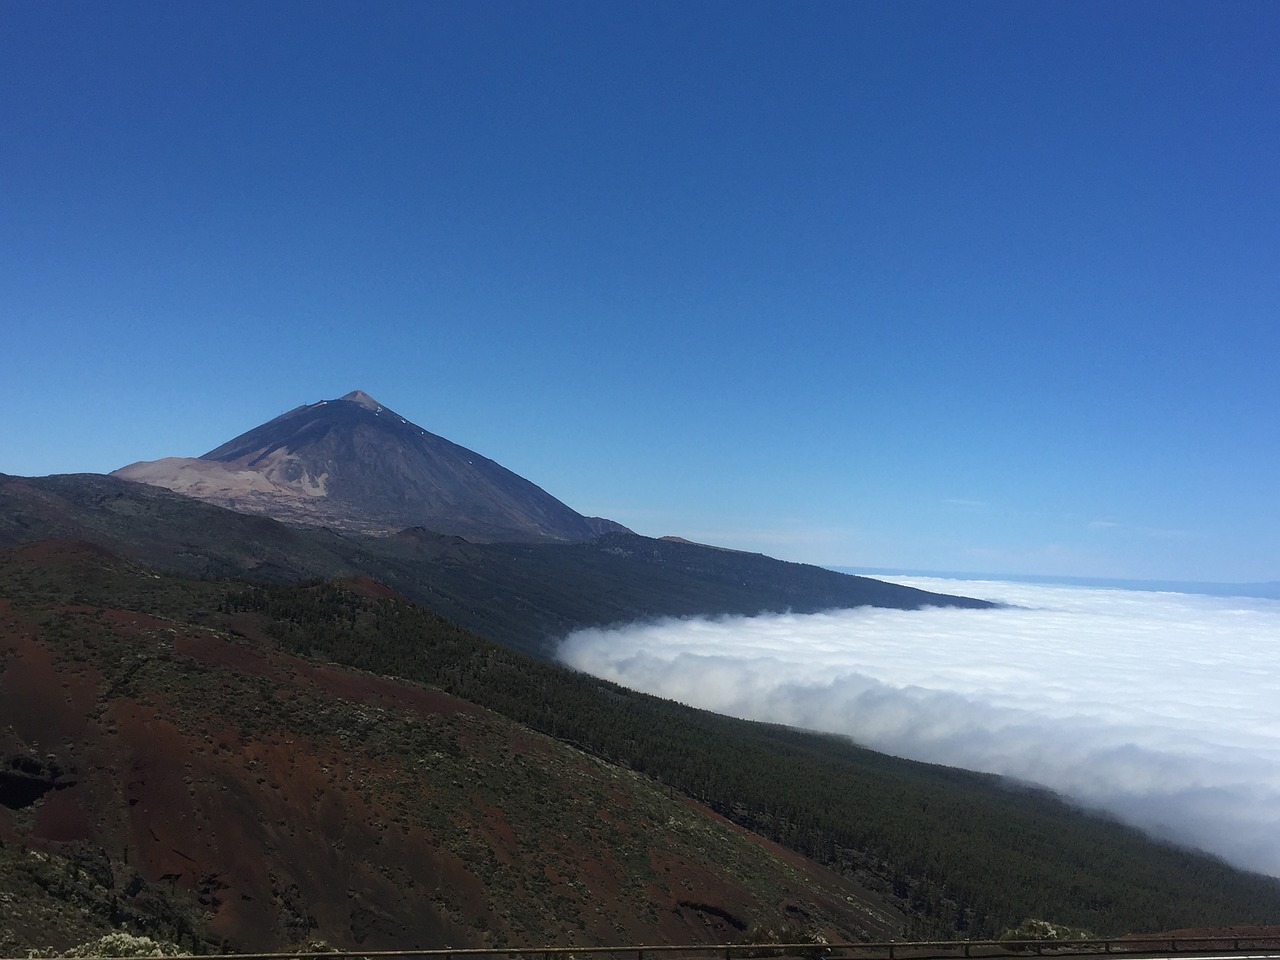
(364, 400)
(340, 463)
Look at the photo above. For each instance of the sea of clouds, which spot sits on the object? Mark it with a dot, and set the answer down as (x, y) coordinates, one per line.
(1160, 708)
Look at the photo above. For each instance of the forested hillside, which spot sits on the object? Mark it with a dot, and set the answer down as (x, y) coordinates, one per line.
(524, 595)
(965, 854)
(161, 776)
(949, 853)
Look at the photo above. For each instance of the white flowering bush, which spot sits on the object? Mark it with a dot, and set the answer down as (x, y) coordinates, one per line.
(121, 944)
(1031, 929)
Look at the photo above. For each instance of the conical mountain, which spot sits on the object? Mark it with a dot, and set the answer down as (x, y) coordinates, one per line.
(355, 465)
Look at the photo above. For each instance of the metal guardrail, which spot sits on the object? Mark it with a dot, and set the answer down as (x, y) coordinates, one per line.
(890, 950)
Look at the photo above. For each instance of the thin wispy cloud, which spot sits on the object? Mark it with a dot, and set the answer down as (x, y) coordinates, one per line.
(1156, 707)
(1154, 533)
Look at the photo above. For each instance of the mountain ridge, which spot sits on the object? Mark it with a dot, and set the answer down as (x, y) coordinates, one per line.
(355, 465)
(525, 595)
(254, 662)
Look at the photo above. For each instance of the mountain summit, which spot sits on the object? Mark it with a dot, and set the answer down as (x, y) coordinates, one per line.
(354, 465)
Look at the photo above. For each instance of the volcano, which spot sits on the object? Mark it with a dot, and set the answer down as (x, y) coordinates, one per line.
(356, 466)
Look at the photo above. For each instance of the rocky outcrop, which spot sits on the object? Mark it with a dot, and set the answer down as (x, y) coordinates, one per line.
(25, 778)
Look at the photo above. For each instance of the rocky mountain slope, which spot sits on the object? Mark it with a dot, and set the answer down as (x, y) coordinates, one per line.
(181, 775)
(234, 765)
(354, 465)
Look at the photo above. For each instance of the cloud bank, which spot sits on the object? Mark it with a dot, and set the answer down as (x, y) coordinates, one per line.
(1160, 708)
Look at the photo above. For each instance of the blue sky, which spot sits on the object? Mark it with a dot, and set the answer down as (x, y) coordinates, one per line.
(963, 286)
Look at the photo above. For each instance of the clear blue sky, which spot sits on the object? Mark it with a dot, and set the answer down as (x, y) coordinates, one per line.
(965, 286)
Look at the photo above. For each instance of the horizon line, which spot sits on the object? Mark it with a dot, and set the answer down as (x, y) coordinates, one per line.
(1261, 589)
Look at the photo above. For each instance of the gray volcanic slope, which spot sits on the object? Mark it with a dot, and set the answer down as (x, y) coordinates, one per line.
(354, 465)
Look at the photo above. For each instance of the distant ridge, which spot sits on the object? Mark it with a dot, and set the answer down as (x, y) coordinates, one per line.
(527, 595)
(357, 466)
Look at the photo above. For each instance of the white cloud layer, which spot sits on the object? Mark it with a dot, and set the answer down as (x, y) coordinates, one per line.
(1161, 708)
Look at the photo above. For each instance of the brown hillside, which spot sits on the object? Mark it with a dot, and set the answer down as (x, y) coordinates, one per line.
(215, 791)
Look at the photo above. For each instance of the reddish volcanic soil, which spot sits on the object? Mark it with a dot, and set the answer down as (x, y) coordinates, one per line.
(287, 800)
(269, 833)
